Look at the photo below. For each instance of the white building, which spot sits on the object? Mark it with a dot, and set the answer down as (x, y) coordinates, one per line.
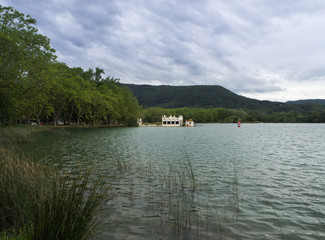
(172, 121)
(189, 123)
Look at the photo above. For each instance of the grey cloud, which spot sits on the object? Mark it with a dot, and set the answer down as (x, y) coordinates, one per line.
(249, 86)
(313, 74)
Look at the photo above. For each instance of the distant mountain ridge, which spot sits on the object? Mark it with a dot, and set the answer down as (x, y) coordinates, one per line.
(217, 99)
(203, 96)
(319, 101)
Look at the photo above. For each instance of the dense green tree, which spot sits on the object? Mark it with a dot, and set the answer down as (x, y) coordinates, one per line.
(33, 86)
(23, 54)
(35, 103)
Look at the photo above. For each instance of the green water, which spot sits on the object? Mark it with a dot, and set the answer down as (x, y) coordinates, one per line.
(215, 181)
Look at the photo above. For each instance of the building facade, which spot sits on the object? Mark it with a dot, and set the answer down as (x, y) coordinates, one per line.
(172, 121)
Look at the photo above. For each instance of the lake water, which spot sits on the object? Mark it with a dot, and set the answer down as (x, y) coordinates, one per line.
(214, 181)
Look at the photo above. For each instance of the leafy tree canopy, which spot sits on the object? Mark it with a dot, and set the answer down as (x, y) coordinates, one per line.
(35, 87)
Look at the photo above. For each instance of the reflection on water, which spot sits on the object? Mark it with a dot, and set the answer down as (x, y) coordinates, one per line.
(216, 181)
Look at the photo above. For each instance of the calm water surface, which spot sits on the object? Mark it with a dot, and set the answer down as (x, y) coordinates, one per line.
(215, 181)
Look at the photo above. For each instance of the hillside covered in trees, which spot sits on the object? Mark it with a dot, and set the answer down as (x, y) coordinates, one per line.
(35, 87)
(201, 96)
(319, 101)
(217, 104)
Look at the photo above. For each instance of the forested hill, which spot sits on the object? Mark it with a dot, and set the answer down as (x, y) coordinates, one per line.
(217, 104)
(202, 96)
(318, 101)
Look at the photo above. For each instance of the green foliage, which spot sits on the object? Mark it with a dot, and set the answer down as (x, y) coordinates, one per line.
(23, 54)
(33, 86)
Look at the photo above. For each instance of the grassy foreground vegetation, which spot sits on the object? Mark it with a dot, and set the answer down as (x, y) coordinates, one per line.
(39, 202)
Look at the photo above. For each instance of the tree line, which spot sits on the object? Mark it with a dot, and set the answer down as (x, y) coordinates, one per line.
(314, 114)
(34, 86)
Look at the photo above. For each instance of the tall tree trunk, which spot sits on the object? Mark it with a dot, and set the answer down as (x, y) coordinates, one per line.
(38, 116)
(38, 120)
(70, 116)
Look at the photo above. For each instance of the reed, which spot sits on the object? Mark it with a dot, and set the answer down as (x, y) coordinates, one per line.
(69, 211)
(19, 134)
(183, 210)
(38, 202)
(278, 220)
(172, 190)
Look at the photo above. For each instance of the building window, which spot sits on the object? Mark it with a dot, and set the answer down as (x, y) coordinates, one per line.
(164, 122)
(177, 122)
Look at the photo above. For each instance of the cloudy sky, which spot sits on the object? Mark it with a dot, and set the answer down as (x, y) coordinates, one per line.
(263, 49)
